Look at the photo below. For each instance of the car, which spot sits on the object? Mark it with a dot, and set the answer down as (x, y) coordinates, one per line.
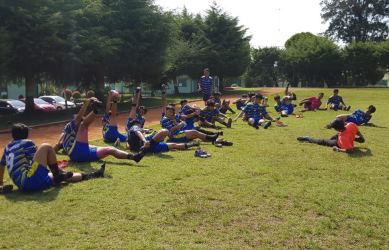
(41, 105)
(57, 101)
(10, 106)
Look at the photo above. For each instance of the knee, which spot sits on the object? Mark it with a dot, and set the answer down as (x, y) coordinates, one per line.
(45, 146)
(164, 132)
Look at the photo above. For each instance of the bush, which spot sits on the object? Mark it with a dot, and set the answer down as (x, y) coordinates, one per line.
(234, 85)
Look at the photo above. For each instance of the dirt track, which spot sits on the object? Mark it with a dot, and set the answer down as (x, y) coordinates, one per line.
(50, 133)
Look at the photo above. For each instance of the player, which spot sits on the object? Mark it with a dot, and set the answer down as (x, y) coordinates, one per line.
(205, 85)
(335, 102)
(35, 169)
(177, 133)
(312, 103)
(343, 141)
(256, 114)
(210, 114)
(75, 138)
(110, 127)
(358, 117)
(241, 102)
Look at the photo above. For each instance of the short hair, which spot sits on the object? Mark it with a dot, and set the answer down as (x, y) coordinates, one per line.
(321, 93)
(338, 124)
(244, 96)
(277, 97)
(216, 93)
(371, 108)
(206, 69)
(183, 101)
(336, 90)
(90, 94)
(259, 96)
(211, 103)
(19, 131)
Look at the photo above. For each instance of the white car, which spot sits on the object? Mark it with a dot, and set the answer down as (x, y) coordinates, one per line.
(57, 101)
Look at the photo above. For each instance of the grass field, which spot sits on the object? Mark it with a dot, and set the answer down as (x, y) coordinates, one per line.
(267, 191)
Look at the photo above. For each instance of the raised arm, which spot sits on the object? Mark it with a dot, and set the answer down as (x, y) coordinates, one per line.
(108, 104)
(163, 99)
(135, 103)
(82, 111)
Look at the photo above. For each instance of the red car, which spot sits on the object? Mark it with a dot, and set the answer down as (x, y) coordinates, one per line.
(42, 105)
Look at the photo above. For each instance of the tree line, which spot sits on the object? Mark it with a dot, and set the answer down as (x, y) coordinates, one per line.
(90, 42)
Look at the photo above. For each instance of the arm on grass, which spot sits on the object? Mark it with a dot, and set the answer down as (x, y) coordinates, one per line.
(337, 149)
(360, 138)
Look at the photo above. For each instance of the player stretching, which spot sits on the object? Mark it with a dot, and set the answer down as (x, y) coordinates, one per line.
(35, 169)
(75, 138)
(109, 120)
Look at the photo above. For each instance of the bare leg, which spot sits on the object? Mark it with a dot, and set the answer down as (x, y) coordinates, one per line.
(194, 134)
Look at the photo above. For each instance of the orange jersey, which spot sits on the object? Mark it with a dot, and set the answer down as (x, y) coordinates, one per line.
(347, 137)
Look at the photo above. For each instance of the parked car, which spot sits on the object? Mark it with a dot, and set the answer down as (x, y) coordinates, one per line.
(42, 105)
(16, 105)
(10, 106)
(57, 101)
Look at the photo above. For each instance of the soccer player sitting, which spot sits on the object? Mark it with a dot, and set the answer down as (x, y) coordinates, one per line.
(256, 114)
(210, 114)
(109, 120)
(335, 102)
(35, 169)
(75, 137)
(343, 141)
(222, 106)
(177, 133)
(358, 117)
(154, 143)
(312, 103)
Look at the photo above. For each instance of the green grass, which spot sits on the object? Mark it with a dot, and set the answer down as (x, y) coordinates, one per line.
(267, 191)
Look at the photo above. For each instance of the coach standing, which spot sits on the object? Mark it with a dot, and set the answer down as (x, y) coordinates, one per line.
(205, 85)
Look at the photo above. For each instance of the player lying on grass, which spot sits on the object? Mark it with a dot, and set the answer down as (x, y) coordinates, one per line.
(256, 114)
(177, 132)
(335, 102)
(312, 103)
(358, 117)
(35, 169)
(154, 143)
(222, 106)
(75, 137)
(109, 120)
(210, 114)
(284, 106)
(343, 141)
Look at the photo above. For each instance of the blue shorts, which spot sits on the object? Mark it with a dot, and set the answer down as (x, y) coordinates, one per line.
(157, 147)
(37, 178)
(289, 109)
(179, 137)
(83, 153)
(256, 120)
(189, 126)
(335, 106)
(113, 134)
(206, 97)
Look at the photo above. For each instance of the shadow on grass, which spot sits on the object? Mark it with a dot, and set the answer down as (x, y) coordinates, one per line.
(372, 125)
(163, 156)
(360, 152)
(39, 196)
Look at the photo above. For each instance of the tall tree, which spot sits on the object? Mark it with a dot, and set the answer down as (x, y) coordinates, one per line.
(356, 20)
(228, 53)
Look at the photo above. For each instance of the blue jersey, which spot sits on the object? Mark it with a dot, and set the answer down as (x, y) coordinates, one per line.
(254, 110)
(70, 132)
(240, 104)
(206, 85)
(187, 110)
(278, 107)
(207, 114)
(168, 124)
(18, 157)
(138, 118)
(217, 101)
(335, 99)
(358, 117)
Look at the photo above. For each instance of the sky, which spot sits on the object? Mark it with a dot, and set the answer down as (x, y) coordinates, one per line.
(269, 22)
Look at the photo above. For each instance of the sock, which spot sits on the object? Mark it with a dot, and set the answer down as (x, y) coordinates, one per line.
(130, 156)
(54, 169)
(211, 137)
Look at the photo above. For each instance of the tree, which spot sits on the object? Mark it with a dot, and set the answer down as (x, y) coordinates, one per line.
(356, 20)
(365, 63)
(264, 66)
(312, 60)
(228, 50)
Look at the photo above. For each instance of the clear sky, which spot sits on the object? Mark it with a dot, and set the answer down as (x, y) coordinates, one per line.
(269, 22)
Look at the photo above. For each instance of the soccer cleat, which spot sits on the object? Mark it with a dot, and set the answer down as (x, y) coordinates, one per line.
(303, 138)
(6, 189)
(138, 156)
(220, 133)
(267, 124)
(201, 153)
(100, 173)
(256, 126)
(348, 108)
